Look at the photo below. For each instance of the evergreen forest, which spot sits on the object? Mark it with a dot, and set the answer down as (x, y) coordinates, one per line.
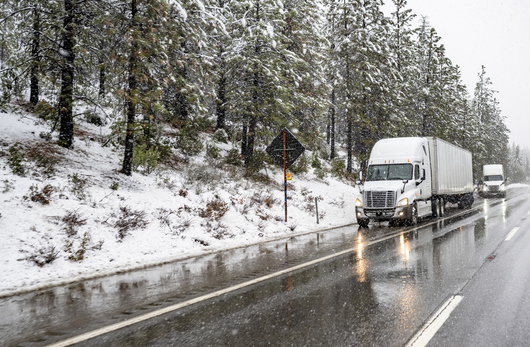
(342, 73)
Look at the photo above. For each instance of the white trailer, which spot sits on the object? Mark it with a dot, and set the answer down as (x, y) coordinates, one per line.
(493, 182)
(414, 177)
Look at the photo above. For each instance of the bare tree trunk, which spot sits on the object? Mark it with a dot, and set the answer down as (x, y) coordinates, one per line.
(66, 132)
(244, 138)
(251, 139)
(131, 98)
(350, 145)
(102, 79)
(332, 126)
(221, 95)
(35, 57)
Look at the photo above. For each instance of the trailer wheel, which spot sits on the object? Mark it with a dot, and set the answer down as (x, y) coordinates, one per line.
(434, 207)
(413, 215)
(442, 207)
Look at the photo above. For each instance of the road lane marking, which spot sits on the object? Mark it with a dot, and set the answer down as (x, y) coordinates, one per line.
(432, 326)
(150, 315)
(510, 235)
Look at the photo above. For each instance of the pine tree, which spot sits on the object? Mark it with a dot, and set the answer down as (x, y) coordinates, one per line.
(258, 92)
(360, 35)
(402, 48)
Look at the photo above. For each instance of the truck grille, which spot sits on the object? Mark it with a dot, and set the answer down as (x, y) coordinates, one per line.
(383, 199)
(494, 188)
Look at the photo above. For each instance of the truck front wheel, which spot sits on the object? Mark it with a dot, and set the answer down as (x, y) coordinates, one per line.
(363, 223)
(413, 215)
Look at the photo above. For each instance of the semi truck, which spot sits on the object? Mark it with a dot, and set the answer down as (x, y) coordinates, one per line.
(493, 182)
(414, 177)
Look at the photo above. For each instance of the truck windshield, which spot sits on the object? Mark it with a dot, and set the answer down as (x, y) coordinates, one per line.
(492, 178)
(389, 172)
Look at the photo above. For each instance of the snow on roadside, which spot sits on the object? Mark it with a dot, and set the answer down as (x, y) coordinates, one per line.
(86, 187)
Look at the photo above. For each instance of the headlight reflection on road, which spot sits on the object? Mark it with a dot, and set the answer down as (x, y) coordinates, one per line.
(405, 247)
(361, 262)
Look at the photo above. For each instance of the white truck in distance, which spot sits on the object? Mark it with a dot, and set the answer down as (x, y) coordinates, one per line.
(493, 181)
(414, 177)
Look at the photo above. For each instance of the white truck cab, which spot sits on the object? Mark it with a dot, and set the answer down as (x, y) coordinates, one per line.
(414, 177)
(398, 181)
(493, 182)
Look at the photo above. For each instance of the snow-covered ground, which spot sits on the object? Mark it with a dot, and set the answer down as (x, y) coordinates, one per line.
(72, 204)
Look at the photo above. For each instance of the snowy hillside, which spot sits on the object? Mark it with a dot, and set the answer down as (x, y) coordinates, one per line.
(67, 215)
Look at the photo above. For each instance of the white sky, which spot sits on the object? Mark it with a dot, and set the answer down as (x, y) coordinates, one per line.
(493, 33)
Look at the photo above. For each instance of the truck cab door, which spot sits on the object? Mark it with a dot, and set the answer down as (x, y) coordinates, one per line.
(425, 174)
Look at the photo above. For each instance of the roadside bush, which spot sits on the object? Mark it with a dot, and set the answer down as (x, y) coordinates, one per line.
(8, 186)
(203, 175)
(72, 221)
(45, 252)
(92, 118)
(128, 220)
(220, 135)
(15, 160)
(256, 162)
(320, 173)
(233, 157)
(146, 158)
(337, 167)
(189, 142)
(45, 157)
(212, 151)
(301, 165)
(84, 244)
(315, 161)
(46, 111)
(40, 195)
(78, 186)
(215, 209)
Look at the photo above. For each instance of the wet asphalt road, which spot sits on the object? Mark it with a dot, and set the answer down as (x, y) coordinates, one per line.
(378, 291)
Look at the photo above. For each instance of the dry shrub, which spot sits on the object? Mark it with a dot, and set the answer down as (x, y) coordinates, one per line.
(263, 199)
(215, 209)
(45, 252)
(72, 221)
(45, 156)
(178, 226)
(218, 230)
(42, 196)
(262, 215)
(241, 204)
(129, 220)
(85, 244)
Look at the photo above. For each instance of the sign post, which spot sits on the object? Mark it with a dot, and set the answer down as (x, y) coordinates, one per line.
(285, 149)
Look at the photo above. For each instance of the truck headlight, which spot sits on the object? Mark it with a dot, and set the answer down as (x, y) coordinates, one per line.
(485, 188)
(403, 202)
(358, 203)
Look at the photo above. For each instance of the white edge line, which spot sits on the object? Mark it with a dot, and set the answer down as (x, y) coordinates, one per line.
(147, 316)
(150, 315)
(429, 329)
(510, 235)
